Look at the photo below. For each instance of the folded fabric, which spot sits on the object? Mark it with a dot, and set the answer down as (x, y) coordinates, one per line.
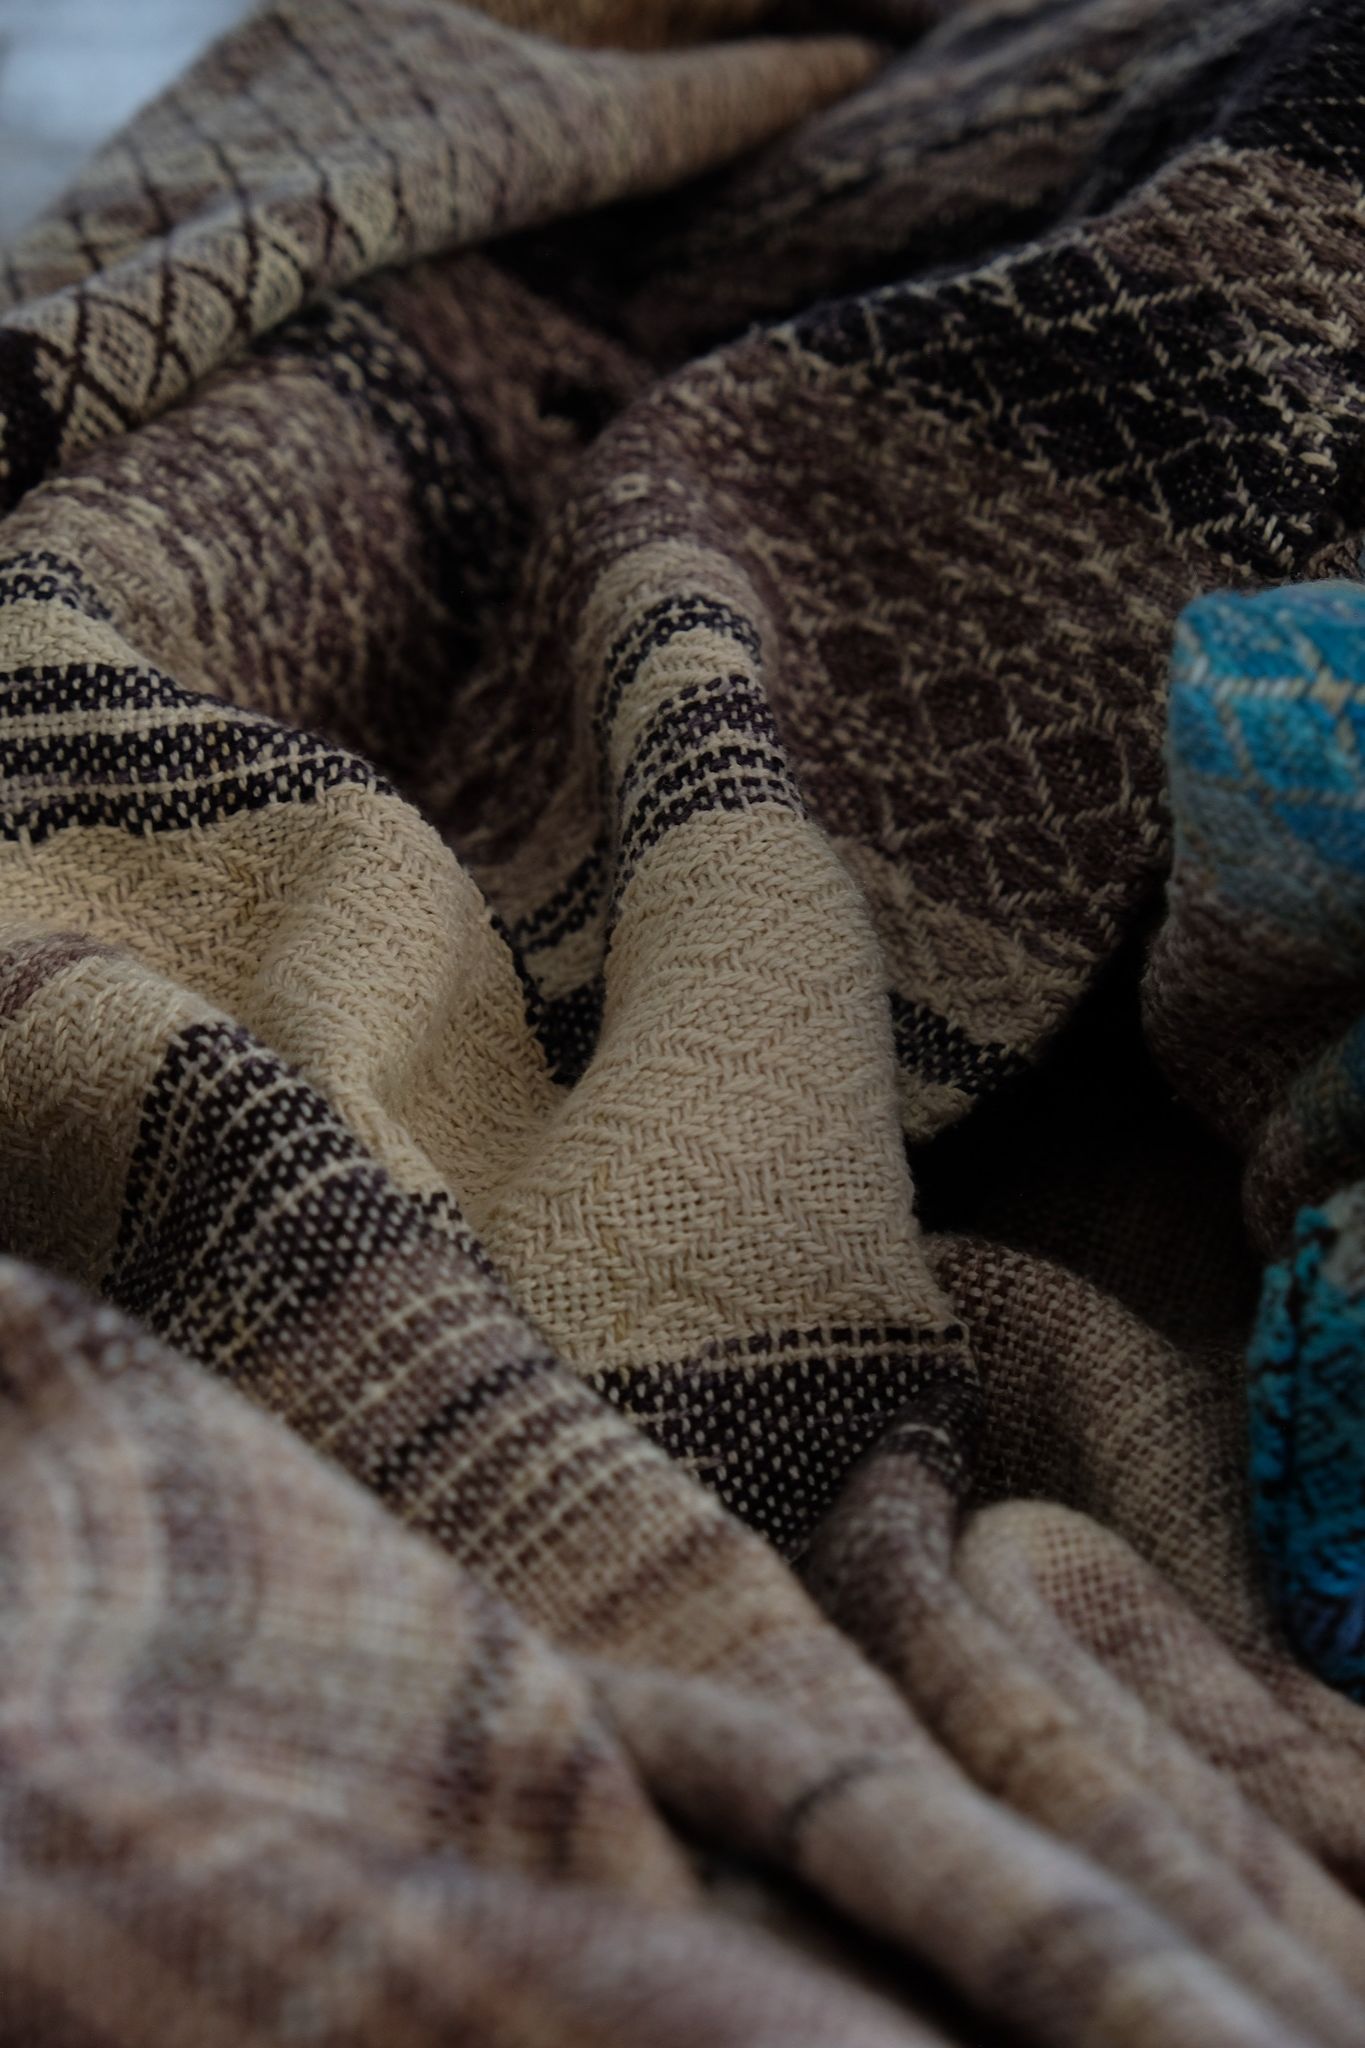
(632, 1233)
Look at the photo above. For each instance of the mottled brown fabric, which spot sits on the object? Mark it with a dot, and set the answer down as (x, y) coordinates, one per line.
(621, 1381)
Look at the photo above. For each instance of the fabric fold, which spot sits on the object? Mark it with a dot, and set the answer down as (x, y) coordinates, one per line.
(646, 1071)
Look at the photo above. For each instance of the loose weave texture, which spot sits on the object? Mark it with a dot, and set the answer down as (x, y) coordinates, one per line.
(623, 1340)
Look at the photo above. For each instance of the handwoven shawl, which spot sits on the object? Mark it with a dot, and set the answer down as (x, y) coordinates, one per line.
(682, 1335)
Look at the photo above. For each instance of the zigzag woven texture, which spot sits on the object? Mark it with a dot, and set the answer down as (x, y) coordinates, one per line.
(649, 1077)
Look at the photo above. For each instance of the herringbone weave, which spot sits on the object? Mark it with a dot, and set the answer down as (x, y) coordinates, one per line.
(631, 1403)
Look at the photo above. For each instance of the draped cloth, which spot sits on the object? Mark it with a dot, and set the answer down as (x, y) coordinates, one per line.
(643, 1108)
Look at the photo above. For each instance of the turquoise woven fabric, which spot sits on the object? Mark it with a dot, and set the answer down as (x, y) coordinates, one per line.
(1267, 752)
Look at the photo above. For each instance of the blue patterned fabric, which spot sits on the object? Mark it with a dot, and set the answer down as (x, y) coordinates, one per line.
(1267, 753)
(1308, 1439)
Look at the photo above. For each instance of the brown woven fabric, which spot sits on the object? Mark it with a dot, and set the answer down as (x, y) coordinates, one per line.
(640, 1438)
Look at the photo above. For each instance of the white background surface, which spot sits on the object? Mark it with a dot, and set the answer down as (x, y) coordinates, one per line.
(72, 71)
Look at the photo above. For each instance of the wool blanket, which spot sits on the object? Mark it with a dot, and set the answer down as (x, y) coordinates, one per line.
(682, 1079)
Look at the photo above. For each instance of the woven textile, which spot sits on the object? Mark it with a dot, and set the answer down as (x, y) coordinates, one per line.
(631, 1230)
(1256, 989)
